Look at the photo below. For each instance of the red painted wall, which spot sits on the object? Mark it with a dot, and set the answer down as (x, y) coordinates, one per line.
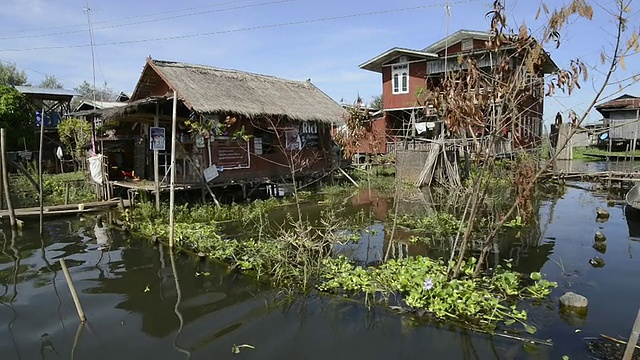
(457, 48)
(417, 75)
(375, 138)
(275, 164)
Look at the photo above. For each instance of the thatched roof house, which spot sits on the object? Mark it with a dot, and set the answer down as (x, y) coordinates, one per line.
(256, 125)
(206, 89)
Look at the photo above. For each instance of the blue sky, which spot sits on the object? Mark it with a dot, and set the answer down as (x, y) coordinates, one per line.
(322, 41)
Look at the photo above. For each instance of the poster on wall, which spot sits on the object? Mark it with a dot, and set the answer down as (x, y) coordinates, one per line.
(309, 137)
(230, 154)
(157, 138)
(293, 140)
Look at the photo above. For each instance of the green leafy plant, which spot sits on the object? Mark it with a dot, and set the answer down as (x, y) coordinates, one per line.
(74, 134)
(423, 284)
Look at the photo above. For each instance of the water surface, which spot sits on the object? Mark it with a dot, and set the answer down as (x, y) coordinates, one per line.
(142, 302)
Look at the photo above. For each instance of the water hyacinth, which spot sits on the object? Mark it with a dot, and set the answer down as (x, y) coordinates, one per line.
(428, 284)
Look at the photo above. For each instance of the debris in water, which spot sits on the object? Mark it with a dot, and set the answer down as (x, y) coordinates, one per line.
(596, 262)
(236, 348)
(602, 214)
(600, 247)
(600, 236)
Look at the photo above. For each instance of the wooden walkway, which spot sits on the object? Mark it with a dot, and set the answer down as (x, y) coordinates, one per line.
(611, 157)
(65, 210)
(618, 177)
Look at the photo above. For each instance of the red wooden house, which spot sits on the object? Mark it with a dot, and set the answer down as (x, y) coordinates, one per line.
(407, 72)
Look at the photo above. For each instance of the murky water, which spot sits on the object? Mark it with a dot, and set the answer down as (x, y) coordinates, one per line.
(143, 303)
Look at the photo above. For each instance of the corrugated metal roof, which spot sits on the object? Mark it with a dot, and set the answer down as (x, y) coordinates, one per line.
(32, 90)
(624, 102)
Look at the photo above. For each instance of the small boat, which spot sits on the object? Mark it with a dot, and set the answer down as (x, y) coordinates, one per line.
(633, 197)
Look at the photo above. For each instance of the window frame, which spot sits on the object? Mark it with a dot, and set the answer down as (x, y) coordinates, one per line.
(400, 78)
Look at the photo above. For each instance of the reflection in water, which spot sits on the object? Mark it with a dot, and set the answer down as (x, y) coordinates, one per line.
(203, 310)
(633, 222)
(76, 339)
(178, 299)
(16, 265)
(54, 276)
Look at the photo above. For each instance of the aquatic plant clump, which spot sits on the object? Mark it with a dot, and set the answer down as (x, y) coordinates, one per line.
(422, 285)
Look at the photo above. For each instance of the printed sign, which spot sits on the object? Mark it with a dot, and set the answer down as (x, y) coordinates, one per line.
(230, 154)
(157, 137)
(309, 137)
(210, 173)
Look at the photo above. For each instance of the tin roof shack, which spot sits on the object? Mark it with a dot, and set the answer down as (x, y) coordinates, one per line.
(621, 116)
(239, 128)
(56, 105)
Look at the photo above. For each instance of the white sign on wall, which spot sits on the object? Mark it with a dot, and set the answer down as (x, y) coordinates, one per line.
(210, 173)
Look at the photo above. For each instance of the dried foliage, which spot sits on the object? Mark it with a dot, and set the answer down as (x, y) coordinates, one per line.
(490, 95)
(359, 130)
(525, 175)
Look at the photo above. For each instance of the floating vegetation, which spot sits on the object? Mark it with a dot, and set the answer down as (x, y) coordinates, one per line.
(436, 226)
(297, 254)
(421, 284)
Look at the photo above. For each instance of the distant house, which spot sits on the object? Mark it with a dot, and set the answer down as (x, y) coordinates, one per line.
(407, 72)
(262, 126)
(621, 117)
(90, 105)
(56, 104)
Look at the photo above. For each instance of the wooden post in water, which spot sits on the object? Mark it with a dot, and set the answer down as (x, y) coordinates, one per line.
(633, 339)
(635, 139)
(156, 158)
(72, 289)
(5, 179)
(172, 189)
(40, 171)
(66, 193)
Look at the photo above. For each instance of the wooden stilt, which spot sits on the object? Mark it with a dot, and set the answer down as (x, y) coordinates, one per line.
(156, 157)
(172, 189)
(5, 179)
(66, 193)
(40, 171)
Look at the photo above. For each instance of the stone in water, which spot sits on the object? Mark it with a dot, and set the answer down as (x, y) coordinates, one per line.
(574, 302)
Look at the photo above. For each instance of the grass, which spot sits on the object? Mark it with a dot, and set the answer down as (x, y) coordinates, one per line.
(24, 194)
(580, 153)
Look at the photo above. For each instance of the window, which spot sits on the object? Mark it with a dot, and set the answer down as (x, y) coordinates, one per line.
(400, 78)
(467, 45)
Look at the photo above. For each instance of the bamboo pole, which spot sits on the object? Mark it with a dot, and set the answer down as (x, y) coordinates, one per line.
(5, 179)
(40, 196)
(172, 189)
(156, 159)
(635, 139)
(633, 339)
(72, 289)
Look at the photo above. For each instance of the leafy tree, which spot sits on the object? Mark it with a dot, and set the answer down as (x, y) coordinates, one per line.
(103, 93)
(51, 82)
(11, 76)
(74, 133)
(376, 102)
(17, 116)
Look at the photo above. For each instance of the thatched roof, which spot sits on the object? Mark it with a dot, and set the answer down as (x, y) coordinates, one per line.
(206, 89)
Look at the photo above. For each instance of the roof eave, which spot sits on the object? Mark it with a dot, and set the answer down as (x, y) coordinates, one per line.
(375, 64)
(454, 38)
